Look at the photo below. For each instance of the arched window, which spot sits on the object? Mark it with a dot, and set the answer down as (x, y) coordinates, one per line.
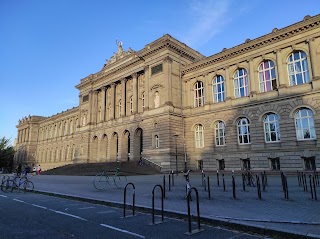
(219, 129)
(198, 94)
(271, 128)
(298, 68)
(304, 124)
(131, 104)
(143, 101)
(267, 76)
(199, 138)
(156, 141)
(119, 109)
(243, 131)
(218, 89)
(241, 87)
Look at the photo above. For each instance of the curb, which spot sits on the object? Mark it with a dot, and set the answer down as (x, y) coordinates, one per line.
(230, 223)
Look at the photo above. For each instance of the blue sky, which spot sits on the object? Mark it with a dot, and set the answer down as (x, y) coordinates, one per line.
(47, 46)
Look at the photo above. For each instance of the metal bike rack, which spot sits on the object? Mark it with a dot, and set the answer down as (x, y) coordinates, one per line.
(191, 232)
(164, 186)
(162, 199)
(223, 182)
(233, 188)
(243, 182)
(133, 199)
(218, 183)
(209, 193)
(258, 186)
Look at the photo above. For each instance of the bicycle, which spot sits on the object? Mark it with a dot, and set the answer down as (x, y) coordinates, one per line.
(24, 183)
(188, 184)
(101, 181)
(5, 186)
(249, 179)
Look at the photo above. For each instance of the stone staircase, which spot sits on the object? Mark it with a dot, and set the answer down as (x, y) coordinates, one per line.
(91, 169)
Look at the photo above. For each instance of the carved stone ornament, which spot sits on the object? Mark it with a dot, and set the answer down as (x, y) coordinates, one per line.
(156, 86)
(119, 54)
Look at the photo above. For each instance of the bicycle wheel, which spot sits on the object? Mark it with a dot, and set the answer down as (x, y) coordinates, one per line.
(120, 180)
(6, 186)
(100, 181)
(28, 186)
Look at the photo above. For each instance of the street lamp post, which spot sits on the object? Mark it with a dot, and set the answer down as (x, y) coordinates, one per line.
(175, 137)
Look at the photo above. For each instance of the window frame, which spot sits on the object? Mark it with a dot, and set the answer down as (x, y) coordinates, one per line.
(241, 81)
(310, 119)
(242, 135)
(292, 64)
(199, 136)
(267, 128)
(220, 140)
(218, 89)
(156, 141)
(198, 89)
(267, 76)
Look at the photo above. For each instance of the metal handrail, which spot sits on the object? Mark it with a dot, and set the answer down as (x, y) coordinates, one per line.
(148, 160)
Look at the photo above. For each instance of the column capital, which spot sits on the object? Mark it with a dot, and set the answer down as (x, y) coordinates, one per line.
(167, 59)
(134, 75)
(113, 84)
(104, 88)
(123, 80)
(146, 68)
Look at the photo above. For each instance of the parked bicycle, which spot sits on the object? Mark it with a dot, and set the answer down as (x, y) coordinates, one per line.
(16, 183)
(188, 184)
(101, 181)
(5, 186)
(249, 179)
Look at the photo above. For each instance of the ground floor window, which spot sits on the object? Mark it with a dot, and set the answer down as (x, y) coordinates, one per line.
(221, 165)
(275, 163)
(246, 164)
(200, 164)
(309, 163)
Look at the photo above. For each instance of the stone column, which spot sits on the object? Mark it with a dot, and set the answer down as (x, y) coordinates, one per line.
(112, 89)
(146, 92)
(208, 95)
(228, 85)
(167, 72)
(104, 103)
(18, 137)
(123, 97)
(252, 86)
(135, 93)
(313, 59)
(89, 116)
(79, 117)
(283, 82)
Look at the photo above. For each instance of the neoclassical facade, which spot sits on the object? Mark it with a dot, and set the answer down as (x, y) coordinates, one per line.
(255, 105)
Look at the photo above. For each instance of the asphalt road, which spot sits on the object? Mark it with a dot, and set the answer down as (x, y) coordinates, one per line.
(28, 215)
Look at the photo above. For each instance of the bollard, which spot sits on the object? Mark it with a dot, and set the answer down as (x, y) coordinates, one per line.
(164, 186)
(162, 199)
(265, 178)
(190, 232)
(314, 188)
(233, 187)
(311, 190)
(133, 199)
(224, 183)
(299, 178)
(209, 193)
(305, 182)
(243, 182)
(218, 178)
(258, 186)
(172, 178)
(202, 177)
(287, 190)
(263, 182)
(169, 182)
(204, 183)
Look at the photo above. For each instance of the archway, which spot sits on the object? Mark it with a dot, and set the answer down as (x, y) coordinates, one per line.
(114, 147)
(103, 148)
(94, 149)
(137, 144)
(125, 146)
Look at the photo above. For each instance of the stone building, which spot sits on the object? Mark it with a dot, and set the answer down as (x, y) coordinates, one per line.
(255, 105)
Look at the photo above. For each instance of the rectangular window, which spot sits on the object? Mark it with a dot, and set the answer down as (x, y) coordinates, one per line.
(221, 164)
(156, 69)
(275, 163)
(85, 98)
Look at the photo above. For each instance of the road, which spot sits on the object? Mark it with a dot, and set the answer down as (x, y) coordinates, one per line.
(29, 215)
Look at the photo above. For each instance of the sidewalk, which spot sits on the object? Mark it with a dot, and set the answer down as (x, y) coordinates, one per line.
(298, 217)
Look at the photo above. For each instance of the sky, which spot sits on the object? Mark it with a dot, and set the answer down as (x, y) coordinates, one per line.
(48, 46)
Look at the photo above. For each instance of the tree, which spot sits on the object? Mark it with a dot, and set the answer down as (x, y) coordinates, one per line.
(6, 154)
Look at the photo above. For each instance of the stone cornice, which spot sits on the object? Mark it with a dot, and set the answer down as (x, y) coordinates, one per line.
(164, 43)
(58, 116)
(275, 36)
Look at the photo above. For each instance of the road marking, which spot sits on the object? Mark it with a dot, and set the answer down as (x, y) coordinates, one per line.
(121, 230)
(105, 212)
(35, 205)
(3, 196)
(84, 208)
(18, 200)
(67, 214)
